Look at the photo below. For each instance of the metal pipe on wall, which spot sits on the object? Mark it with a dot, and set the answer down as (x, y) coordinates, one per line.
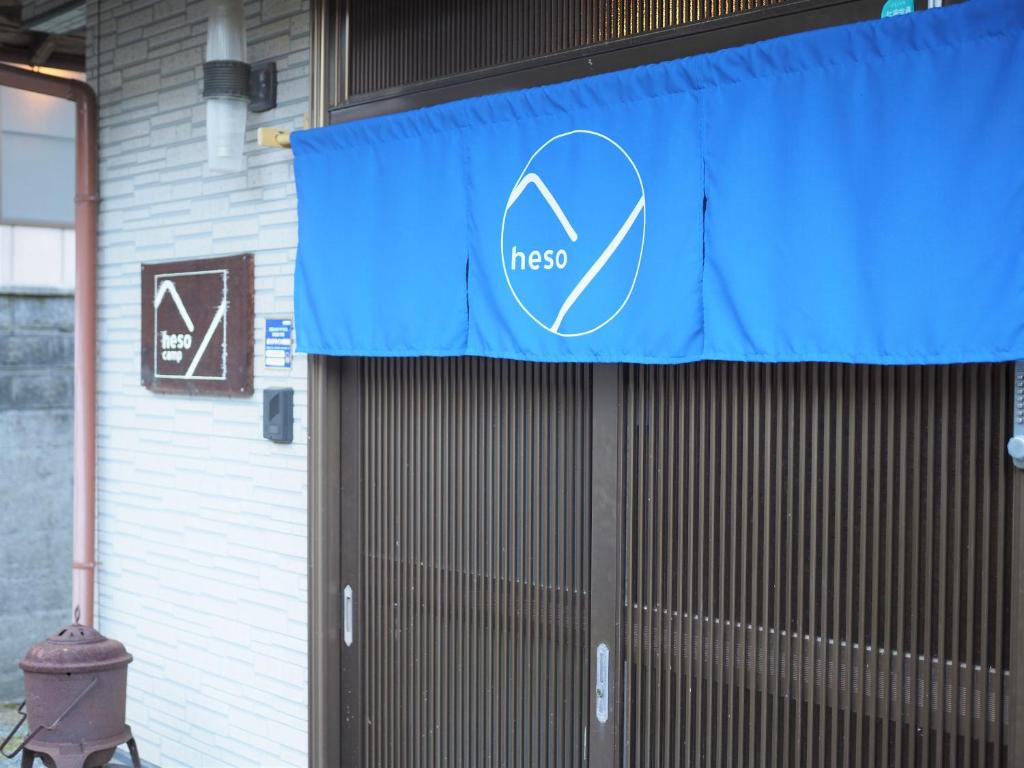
(86, 210)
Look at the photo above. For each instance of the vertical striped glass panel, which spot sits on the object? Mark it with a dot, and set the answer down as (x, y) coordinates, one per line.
(818, 562)
(398, 43)
(476, 522)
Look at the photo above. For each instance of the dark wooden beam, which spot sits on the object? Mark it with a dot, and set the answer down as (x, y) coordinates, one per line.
(44, 49)
(21, 55)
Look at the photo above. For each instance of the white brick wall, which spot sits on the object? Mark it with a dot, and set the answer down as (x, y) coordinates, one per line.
(202, 523)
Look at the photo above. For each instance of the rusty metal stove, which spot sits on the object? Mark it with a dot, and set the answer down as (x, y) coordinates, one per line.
(75, 686)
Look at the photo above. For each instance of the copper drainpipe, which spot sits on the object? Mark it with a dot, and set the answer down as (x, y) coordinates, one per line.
(86, 208)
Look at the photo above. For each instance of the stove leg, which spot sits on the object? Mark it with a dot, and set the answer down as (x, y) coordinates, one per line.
(134, 750)
(27, 758)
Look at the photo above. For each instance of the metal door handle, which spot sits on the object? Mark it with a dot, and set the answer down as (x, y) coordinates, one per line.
(601, 692)
(348, 615)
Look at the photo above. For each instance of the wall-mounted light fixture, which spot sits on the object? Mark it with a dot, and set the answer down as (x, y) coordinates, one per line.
(232, 87)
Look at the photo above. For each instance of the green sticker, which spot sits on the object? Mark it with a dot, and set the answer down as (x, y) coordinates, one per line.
(897, 8)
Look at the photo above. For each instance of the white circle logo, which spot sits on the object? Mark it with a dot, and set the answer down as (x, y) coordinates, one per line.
(572, 235)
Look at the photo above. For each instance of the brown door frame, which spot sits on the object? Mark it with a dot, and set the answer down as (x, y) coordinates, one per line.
(1016, 753)
(324, 533)
(604, 748)
(324, 463)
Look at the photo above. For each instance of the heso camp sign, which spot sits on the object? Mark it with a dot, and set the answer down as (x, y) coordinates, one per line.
(197, 326)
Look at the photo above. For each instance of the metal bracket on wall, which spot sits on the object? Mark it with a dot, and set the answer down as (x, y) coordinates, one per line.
(274, 138)
(1016, 445)
(278, 138)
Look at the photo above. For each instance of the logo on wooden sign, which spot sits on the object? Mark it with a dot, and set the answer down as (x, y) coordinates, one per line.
(197, 320)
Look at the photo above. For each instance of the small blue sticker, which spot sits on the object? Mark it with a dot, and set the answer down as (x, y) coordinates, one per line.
(280, 337)
(897, 8)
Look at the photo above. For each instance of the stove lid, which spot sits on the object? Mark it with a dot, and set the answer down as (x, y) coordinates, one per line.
(75, 648)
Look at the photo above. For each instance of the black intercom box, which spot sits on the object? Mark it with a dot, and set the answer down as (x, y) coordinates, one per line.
(277, 415)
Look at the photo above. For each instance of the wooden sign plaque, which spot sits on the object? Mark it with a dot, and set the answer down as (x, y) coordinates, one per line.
(197, 326)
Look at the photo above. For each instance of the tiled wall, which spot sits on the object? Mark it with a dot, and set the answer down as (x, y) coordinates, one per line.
(202, 523)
